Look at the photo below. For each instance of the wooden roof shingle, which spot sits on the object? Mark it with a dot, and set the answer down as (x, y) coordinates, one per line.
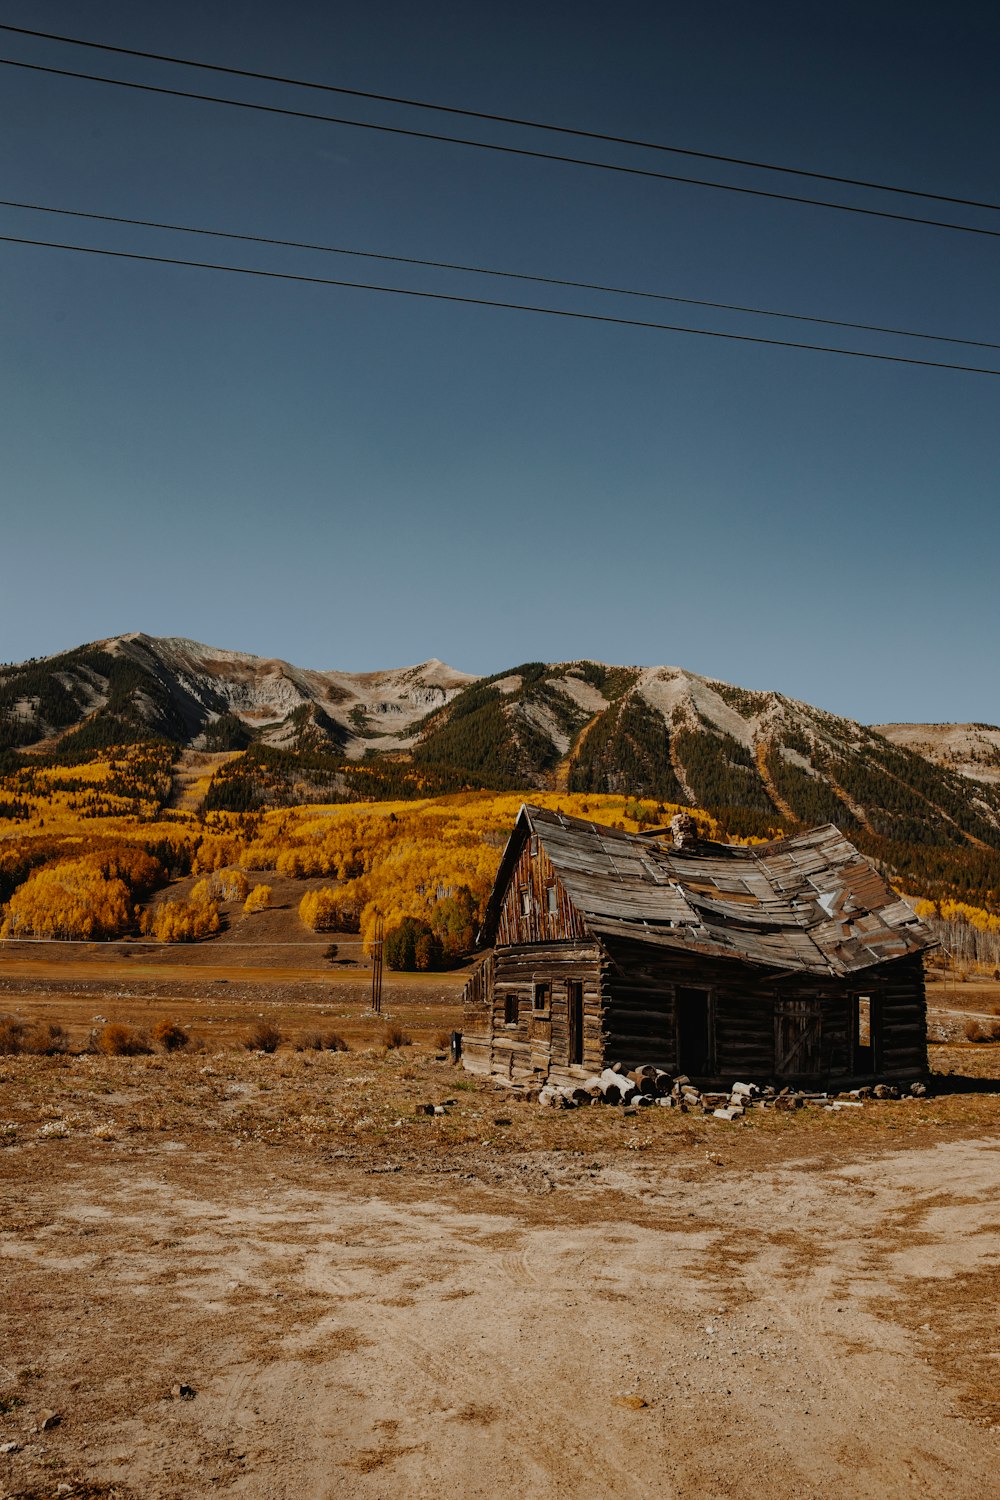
(810, 902)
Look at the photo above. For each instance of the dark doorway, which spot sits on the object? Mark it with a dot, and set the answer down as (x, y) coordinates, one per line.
(694, 1031)
(574, 1005)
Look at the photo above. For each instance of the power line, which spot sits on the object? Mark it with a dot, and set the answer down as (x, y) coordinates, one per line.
(551, 312)
(448, 265)
(500, 119)
(133, 943)
(522, 151)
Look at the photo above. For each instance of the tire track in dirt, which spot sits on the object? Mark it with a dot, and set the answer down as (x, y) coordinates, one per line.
(565, 1450)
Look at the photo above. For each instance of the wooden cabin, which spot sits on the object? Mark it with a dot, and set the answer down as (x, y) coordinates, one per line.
(788, 962)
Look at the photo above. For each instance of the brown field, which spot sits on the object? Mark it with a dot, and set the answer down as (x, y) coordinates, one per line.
(501, 1300)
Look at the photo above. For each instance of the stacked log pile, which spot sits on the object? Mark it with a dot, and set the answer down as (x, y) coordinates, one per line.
(641, 1087)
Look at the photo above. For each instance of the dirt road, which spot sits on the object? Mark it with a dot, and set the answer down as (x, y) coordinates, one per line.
(367, 1301)
(689, 1329)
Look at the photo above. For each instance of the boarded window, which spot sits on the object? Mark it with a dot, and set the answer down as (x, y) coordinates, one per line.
(525, 901)
(510, 1009)
(541, 996)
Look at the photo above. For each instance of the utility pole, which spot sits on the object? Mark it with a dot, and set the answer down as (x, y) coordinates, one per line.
(378, 943)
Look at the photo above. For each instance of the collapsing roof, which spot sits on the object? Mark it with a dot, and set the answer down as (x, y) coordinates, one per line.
(809, 903)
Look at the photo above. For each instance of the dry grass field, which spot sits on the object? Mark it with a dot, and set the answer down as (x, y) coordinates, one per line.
(228, 1272)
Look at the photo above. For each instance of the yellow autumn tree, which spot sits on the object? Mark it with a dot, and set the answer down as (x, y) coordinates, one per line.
(185, 920)
(69, 899)
(259, 899)
(232, 885)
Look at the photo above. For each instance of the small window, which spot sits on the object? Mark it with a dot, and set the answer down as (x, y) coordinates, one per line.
(864, 1021)
(525, 901)
(510, 1009)
(551, 900)
(540, 1000)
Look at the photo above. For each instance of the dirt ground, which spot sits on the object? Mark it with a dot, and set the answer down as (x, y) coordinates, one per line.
(499, 1300)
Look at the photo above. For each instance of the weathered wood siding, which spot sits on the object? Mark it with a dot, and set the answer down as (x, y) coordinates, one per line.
(528, 914)
(630, 1015)
(519, 1040)
(641, 1024)
(901, 1016)
(477, 1017)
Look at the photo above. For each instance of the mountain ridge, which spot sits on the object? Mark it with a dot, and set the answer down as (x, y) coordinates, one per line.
(761, 759)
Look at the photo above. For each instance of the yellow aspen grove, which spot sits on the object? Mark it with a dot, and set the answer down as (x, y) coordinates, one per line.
(259, 899)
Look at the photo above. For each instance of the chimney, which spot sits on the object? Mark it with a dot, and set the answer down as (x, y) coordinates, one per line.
(682, 826)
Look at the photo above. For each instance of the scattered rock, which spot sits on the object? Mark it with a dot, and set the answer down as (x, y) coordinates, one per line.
(631, 1403)
(47, 1420)
(182, 1392)
(9, 1447)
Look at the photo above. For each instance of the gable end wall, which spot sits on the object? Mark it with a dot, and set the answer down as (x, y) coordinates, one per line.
(533, 877)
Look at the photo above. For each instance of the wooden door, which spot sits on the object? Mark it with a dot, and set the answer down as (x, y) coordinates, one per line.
(798, 1038)
(574, 1018)
(541, 1027)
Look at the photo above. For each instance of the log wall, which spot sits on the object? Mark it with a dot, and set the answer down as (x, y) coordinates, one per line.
(641, 1017)
(521, 1040)
(630, 1016)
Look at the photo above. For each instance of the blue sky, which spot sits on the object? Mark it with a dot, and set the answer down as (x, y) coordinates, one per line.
(351, 480)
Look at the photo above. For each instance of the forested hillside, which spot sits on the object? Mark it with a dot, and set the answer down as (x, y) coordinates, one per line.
(94, 734)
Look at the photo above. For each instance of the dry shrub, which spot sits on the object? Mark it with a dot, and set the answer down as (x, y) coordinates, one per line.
(12, 1036)
(118, 1040)
(977, 1031)
(442, 1041)
(47, 1039)
(323, 1041)
(394, 1036)
(44, 1039)
(170, 1035)
(263, 1038)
